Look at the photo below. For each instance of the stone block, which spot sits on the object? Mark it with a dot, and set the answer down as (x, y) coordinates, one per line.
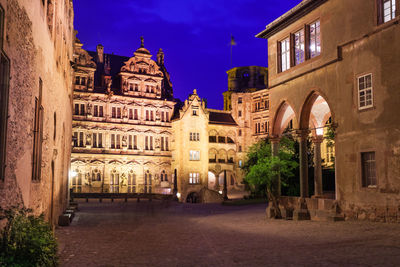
(64, 220)
(301, 215)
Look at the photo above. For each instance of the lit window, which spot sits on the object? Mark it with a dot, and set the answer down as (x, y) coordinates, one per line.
(365, 96)
(389, 10)
(299, 50)
(315, 39)
(194, 155)
(368, 169)
(97, 139)
(285, 54)
(239, 100)
(194, 178)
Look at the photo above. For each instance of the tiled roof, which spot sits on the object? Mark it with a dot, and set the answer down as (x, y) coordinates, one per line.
(221, 118)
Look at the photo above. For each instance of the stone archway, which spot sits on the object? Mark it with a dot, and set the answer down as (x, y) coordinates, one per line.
(193, 197)
(211, 180)
(313, 121)
(285, 113)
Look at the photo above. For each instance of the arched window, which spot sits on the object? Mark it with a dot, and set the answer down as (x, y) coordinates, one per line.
(164, 177)
(147, 181)
(131, 182)
(114, 182)
(76, 182)
(96, 175)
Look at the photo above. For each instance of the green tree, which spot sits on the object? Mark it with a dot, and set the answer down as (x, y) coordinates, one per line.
(263, 170)
(26, 240)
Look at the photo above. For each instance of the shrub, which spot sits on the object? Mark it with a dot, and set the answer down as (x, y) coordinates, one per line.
(27, 240)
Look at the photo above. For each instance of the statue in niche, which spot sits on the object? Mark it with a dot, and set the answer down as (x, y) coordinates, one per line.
(157, 115)
(124, 143)
(125, 112)
(88, 139)
(109, 84)
(89, 109)
(157, 142)
(90, 82)
(125, 86)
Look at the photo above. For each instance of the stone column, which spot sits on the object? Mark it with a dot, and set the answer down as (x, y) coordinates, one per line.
(317, 140)
(302, 137)
(225, 190)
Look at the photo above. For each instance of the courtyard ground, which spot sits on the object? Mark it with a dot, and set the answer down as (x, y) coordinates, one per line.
(171, 234)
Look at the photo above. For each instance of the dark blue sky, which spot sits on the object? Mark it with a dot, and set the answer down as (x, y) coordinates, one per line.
(194, 34)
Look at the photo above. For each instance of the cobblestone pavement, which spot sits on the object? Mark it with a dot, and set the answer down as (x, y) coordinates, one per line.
(171, 234)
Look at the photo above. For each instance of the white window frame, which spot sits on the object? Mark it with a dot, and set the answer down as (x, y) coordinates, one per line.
(194, 178)
(365, 90)
(285, 54)
(194, 155)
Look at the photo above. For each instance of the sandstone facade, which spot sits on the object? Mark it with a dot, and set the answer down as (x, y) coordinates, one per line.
(337, 60)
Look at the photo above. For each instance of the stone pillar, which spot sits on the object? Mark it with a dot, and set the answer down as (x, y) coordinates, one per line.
(225, 190)
(317, 166)
(302, 137)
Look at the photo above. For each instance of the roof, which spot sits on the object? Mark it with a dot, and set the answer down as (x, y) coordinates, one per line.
(305, 7)
(221, 118)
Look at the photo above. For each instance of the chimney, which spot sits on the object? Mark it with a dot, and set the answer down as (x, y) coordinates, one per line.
(100, 53)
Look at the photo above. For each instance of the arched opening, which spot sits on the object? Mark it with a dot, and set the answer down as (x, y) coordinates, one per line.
(212, 155)
(317, 147)
(131, 182)
(284, 119)
(211, 180)
(193, 197)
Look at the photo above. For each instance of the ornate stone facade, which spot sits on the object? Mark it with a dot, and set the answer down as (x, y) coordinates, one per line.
(204, 149)
(121, 123)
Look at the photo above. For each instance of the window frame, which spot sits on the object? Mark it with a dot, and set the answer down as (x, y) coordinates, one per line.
(365, 89)
(368, 182)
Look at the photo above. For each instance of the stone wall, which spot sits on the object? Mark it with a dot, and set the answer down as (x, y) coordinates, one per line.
(38, 42)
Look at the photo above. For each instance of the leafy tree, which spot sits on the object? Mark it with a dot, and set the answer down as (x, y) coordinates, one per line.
(27, 240)
(266, 171)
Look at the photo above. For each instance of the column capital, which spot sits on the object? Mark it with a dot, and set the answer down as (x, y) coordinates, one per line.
(302, 134)
(317, 139)
(274, 139)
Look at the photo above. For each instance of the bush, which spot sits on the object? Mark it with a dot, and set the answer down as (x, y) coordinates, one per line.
(27, 240)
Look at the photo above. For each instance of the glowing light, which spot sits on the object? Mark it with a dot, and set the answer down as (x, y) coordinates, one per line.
(178, 195)
(220, 192)
(320, 131)
(72, 174)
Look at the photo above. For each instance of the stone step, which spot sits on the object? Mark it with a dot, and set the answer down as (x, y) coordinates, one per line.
(325, 216)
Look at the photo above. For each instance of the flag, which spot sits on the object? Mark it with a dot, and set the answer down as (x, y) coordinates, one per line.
(232, 40)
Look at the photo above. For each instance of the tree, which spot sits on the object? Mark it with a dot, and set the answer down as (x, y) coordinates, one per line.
(263, 170)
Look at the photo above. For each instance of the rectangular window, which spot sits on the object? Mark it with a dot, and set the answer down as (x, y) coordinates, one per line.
(239, 100)
(101, 114)
(166, 144)
(151, 115)
(147, 115)
(388, 10)
(136, 87)
(151, 142)
(4, 90)
(239, 113)
(166, 116)
(315, 39)
(119, 113)
(135, 142)
(82, 111)
(194, 178)
(130, 142)
(118, 142)
(77, 80)
(131, 87)
(95, 111)
(162, 115)
(368, 169)
(77, 109)
(131, 114)
(285, 54)
(299, 47)
(113, 112)
(194, 155)
(97, 140)
(38, 136)
(146, 143)
(162, 143)
(266, 104)
(136, 114)
(365, 95)
(112, 140)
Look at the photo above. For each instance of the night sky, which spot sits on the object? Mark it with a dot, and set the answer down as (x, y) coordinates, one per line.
(194, 34)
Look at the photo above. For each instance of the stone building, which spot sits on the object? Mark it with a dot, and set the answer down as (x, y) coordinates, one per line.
(336, 61)
(121, 122)
(204, 149)
(36, 40)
